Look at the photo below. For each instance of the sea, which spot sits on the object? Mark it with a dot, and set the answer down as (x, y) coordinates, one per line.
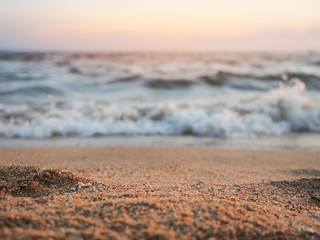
(239, 100)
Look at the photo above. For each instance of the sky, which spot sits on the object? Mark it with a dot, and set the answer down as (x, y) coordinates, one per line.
(166, 25)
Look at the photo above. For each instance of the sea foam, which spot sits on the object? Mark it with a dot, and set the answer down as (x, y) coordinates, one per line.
(284, 109)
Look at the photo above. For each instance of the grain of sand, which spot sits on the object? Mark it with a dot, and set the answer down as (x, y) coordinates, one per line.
(158, 193)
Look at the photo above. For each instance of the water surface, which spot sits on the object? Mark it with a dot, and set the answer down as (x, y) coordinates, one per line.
(223, 95)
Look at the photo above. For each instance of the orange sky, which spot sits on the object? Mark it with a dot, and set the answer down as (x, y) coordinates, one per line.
(160, 25)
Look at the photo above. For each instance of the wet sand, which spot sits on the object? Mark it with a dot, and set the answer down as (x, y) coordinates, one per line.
(159, 193)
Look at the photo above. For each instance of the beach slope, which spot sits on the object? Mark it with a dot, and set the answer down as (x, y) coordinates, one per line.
(158, 193)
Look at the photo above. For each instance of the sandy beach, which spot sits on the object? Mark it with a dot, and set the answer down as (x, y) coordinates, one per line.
(158, 193)
(178, 120)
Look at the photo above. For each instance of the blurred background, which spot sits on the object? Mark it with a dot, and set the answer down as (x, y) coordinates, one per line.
(208, 70)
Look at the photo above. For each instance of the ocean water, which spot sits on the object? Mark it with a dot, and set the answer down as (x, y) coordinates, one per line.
(219, 95)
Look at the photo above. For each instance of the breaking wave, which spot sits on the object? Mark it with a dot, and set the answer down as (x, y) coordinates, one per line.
(284, 109)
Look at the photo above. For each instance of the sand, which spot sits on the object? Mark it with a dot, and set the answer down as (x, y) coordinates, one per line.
(158, 193)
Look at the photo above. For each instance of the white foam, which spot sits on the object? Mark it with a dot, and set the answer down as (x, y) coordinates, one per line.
(285, 109)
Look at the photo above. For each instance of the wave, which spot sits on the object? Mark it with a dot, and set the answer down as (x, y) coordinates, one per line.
(32, 91)
(75, 70)
(126, 79)
(16, 77)
(282, 110)
(169, 83)
(312, 81)
(23, 56)
(160, 70)
(211, 80)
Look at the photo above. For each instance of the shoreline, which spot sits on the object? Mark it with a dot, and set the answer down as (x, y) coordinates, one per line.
(159, 192)
(293, 141)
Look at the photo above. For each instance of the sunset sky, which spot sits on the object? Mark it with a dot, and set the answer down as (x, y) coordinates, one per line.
(192, 25)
